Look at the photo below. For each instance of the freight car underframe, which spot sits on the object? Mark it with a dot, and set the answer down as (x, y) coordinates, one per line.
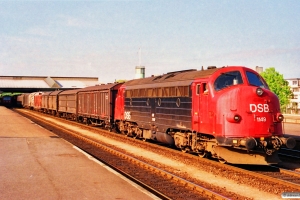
(262, 151)
(104, 122)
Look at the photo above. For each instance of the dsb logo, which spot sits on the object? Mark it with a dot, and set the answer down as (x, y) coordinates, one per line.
(259, 107)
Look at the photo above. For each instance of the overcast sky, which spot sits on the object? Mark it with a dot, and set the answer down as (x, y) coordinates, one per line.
(102, 38)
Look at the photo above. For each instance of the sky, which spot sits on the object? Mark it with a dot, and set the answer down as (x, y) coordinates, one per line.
(108, 39)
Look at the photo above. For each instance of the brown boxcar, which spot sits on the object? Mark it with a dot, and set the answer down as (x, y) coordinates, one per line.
(45, 102)
(30, 104)
(25, 103)
(96, 104)
(67, 104)
(21, 99)
(53, 102)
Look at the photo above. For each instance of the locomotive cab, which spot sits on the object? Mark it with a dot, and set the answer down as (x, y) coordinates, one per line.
(247, 117)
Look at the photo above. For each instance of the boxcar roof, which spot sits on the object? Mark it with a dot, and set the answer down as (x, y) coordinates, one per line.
(55, 92)
(69, 92)
(180, 77)
(99, 87)
(46, 93)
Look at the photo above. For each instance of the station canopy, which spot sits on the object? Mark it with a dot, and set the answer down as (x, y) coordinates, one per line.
(44, 83)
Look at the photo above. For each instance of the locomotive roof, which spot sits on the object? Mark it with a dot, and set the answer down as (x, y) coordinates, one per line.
(179, 78)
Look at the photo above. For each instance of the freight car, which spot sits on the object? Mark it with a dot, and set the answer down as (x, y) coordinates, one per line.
(34, 100)
(50, 102)
(96, 105)
(21, 99)
(91, 105)
(227, 113)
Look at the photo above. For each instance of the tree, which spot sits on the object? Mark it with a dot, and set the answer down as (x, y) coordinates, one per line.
(278, 85)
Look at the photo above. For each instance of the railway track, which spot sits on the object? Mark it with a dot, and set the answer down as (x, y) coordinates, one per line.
(255, 179)
(283, 176)
(293, 154)
(290, 177)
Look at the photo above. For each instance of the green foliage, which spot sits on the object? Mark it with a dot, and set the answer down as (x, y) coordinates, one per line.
(3, 94)
(278, 85)
(120, 81)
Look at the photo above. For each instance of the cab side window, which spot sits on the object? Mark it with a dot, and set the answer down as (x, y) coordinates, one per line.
(198, 89)
(205, 88)
(228, 79)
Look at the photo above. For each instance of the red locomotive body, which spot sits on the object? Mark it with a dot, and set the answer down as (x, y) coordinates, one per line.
(241, 113)
(228, 113)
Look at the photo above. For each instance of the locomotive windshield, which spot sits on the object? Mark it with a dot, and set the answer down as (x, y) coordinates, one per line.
(228, 79)
(255, 80)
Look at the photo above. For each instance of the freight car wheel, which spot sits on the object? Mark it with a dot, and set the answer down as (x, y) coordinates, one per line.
(185, 150)
(202, 154)
(221, 160)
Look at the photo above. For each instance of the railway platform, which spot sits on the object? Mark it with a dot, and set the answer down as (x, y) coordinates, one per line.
(36, 164)
(291, 118)
(291, 126)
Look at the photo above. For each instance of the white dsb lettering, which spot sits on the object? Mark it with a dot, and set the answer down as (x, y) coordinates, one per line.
(259, 107)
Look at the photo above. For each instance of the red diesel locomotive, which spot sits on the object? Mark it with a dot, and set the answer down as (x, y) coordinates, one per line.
(227, 113)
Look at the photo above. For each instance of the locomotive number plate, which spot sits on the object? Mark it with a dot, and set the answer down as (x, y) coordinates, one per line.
(261, 119)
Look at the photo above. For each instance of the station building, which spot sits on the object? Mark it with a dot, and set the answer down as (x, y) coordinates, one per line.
(294, 84)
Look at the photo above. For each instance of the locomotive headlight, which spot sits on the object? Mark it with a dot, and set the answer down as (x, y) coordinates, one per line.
(279, 117)
(233, 117)
(237, 118)
(259, 91)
